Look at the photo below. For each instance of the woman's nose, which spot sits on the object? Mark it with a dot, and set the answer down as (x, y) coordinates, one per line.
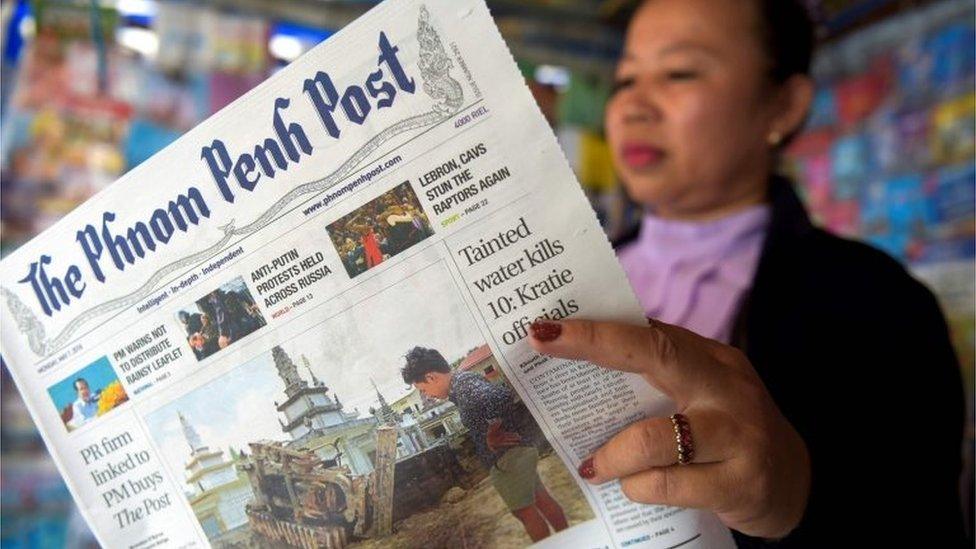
(637, 115)
(639, 106)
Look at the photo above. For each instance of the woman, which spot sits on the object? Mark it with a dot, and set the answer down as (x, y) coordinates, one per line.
(829, 412)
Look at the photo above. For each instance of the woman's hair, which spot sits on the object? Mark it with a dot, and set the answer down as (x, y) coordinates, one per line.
(422, 361)
(785, 30)
(787, 36)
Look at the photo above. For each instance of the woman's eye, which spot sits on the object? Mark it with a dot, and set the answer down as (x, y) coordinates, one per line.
(620, 84)
(681, 75)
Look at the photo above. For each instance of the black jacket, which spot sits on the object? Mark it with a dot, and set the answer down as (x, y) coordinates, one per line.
(856, 354)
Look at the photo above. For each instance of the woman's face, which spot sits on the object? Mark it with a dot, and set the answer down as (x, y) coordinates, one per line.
(692, 111)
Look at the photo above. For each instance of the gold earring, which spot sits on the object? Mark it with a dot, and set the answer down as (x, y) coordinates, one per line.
(774, 138)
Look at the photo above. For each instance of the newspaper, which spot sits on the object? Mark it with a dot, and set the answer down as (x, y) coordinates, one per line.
(304, 323)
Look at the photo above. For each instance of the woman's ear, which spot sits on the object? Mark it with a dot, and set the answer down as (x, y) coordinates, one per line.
(793, 105)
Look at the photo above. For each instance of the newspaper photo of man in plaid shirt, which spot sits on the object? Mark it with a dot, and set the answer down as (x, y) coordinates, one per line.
(503, 438)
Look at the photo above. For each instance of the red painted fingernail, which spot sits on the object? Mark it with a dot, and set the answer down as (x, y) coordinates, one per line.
(586, 469)
(544, 330)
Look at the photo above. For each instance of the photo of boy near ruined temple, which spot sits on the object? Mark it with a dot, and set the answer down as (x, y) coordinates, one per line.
(504, 434)
(220, 318)
(320, 441)
(379, 229)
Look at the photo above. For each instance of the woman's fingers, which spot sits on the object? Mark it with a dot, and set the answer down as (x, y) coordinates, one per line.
(704, 486)
(652, 443)
(667, 355)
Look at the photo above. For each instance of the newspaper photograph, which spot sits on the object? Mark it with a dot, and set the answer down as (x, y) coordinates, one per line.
(304, 323)
(331, 398)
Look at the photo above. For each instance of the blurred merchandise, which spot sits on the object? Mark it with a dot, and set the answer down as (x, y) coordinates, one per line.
(888, 153)
(84, 108)
(34, 501)
(888, 157)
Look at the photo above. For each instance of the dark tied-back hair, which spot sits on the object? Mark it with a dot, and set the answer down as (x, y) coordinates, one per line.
(787, 35)
(422, 361)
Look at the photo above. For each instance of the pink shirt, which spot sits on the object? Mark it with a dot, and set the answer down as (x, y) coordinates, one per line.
(695, 274)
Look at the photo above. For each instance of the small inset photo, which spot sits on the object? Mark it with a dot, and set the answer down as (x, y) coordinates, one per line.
(220, 318)
(379, 229)
(87, 394)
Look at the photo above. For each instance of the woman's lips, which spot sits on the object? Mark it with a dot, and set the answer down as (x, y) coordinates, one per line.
(641, 156)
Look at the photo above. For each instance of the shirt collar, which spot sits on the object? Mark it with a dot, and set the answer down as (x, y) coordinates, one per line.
(672, 241)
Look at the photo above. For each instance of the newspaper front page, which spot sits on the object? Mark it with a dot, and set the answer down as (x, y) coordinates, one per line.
(304, 324)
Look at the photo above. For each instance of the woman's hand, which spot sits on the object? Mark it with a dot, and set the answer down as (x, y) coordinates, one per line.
(750, 466)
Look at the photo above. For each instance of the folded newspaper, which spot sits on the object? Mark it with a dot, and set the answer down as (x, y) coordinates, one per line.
(304, 323)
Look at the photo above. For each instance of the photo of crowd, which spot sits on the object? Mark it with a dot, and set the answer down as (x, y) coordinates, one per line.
(380, 229)
(220, 318)
(87, 394)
